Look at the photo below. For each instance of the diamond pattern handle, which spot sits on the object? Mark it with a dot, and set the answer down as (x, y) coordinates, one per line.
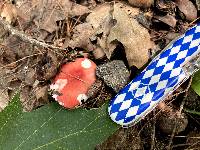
(160, 78)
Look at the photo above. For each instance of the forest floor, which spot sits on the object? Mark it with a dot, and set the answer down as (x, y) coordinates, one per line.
(38, 36)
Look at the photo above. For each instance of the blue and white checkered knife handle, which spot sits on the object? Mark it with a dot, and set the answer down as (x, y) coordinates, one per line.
(160, 78)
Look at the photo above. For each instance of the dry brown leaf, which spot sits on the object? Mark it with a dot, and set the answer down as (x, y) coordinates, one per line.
(48, 12)
(103, 31)
(41, 94)
(4, 98)
(168, 19)
(133, 36)
(80, 38)
(78, 10)
(29, 99)
(33, 97)
(9, 12)
(131, 11)
(141, 3)
(24, 8)
(198, 4)
(47, 67)
(188, 8)
(98, 15)
(30, 77)
(85, 32)
(98, 53)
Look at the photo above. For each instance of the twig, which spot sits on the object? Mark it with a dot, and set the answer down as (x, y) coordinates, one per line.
(20, 60)
(153, 133)
(25, 37)
(172, 136)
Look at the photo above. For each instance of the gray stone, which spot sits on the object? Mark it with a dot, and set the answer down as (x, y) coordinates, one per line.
(114, 73)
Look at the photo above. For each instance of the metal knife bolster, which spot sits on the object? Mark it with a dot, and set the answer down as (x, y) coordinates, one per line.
(160, 78)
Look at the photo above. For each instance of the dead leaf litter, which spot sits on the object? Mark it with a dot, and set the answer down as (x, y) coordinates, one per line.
(38, 37)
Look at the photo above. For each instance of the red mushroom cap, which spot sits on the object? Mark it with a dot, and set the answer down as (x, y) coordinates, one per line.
(73, 82)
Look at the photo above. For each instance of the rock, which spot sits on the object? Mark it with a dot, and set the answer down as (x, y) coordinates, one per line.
(141, 3)
(114, 74)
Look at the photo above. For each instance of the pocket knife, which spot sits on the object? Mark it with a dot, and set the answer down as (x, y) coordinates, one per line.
(167, 71)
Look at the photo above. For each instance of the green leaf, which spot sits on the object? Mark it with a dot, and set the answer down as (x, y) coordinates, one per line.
(52, 127)
(192, 112)
(196, 82)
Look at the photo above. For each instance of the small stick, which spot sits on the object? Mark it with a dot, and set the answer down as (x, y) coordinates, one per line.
(25, 37)
(20, 60)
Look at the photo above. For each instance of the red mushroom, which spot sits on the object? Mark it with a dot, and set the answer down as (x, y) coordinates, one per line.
(73, 82)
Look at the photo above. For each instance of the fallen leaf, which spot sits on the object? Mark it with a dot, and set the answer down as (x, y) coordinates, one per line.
(24, 9)
(145, 19)
(41, 94)
(141, 3)
(171, 36)
(134, 37)
(98, 22)
(193, 138)
(86, 32)
(9, 12)
(198, 4)
(98, 53)
(49, 12)
(168, 19)
(103, 31)
(127, 139)
(7, 56)
(30, 76)
(98, 15)
(28, 99)
(165, 5)
(52, 127)
(47, 66)
(4, 98)
(131, 11)
(188, 8)
(78, 10)
(81, 37)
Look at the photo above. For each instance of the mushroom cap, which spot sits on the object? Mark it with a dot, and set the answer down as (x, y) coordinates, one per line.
(73, 82)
